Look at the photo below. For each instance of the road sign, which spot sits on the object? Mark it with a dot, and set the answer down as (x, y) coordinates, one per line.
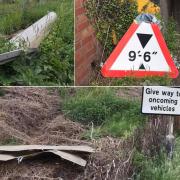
(161, 100)
(141, 52)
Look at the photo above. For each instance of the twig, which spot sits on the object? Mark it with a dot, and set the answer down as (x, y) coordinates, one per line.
(105, 44)
(92, 131)
(129, 158)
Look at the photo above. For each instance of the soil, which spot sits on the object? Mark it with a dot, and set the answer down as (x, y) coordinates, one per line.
(130, 93)
(34, 116)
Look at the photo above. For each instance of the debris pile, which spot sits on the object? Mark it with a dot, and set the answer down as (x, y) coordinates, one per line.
(33, 116)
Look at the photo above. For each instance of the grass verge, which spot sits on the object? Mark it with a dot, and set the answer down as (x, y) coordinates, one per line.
(111, 115)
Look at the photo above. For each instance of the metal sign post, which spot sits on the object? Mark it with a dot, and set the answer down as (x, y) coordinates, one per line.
(170, 138)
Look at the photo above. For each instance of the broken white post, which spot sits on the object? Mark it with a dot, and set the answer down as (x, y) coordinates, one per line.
(33, 35)
(29, 39)
(171, 125)
(170, 138)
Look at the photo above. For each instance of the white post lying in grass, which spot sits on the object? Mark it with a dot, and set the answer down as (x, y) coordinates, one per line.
(9, 56)
(33, 35)
(6, 57)
(29, 39)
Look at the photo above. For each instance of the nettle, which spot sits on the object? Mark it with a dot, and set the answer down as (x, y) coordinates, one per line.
(111, 19)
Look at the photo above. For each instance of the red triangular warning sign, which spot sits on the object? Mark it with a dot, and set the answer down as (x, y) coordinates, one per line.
(141, 52)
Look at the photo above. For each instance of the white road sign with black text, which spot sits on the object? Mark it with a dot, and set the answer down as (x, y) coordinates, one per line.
(142, 52)
(161, 100)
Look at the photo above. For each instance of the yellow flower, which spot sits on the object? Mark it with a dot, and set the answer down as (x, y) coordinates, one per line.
(147, 6)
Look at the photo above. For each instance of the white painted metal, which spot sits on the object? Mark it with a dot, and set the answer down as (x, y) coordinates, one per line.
(161, 100)
(6, 57)
(10, 56)
(33, 35)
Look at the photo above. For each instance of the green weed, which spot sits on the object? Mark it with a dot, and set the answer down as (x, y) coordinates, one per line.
(10, 141)
(5, 45)
(112, 19)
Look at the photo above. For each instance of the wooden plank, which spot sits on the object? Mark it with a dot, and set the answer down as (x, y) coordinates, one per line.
(5, 157)
(70, 157)
(64, 155)
(46, 147)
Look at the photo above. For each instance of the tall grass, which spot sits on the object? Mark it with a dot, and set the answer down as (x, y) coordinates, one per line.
(110, 114)
(20, 15)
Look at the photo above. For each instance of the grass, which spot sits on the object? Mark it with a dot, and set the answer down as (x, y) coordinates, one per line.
(19, 15)
(10, 141)
(2, 92)
(133, 81)
(10, 17)
(159, 167)
(53, 64)
(111, 115)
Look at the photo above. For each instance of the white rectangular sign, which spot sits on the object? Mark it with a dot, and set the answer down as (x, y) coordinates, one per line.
(161, 100)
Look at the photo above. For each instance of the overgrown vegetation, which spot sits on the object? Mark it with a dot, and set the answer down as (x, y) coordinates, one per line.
(110, 114)
(170, 35)
(36, 116)
(107, 114)
(158, 167)
(111, 19)
(133, 81)
(53, 64)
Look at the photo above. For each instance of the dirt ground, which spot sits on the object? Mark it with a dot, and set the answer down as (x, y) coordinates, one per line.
(34, 116)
